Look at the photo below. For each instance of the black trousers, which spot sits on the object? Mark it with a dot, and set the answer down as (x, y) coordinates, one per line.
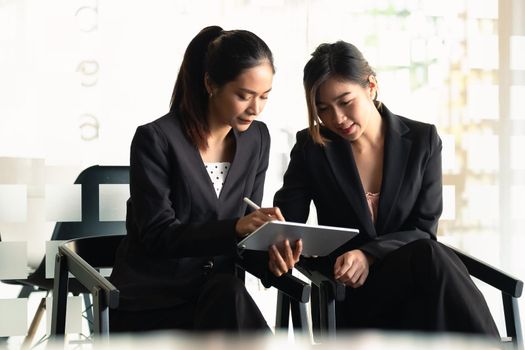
(420, 286)
(223, 304)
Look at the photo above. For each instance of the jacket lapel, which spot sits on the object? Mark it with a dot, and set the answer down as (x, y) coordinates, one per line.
(396, 154)
(237, 170)
(338, 152)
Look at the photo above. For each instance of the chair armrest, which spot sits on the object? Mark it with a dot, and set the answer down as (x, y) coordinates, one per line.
(498, 279)
(287, 283)
(90, 278)
(319, 272)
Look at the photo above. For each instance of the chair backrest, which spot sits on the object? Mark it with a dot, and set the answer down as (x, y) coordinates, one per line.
(90, 179)
(97, 251)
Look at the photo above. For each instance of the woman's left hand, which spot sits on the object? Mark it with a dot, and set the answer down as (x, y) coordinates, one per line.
(352, 267)
(284, 258)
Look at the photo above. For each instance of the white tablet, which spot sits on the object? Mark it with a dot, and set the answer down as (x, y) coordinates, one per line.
(317, 240)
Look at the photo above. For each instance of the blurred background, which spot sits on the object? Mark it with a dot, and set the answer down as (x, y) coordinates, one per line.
(78, 76)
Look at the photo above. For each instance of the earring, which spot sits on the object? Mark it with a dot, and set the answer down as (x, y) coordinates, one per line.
(211, 94)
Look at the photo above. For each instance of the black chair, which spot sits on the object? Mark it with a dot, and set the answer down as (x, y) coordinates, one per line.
(90, 179)
(82, 257)
(326, 291)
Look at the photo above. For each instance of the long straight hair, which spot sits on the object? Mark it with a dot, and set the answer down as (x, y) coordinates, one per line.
(342, 60)
(223, 56)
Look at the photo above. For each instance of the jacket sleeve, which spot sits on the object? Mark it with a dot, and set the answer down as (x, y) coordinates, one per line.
(423, 220)
(160, 231)
(295, 195)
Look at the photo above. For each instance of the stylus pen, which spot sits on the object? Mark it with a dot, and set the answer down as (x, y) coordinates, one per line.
(251, 204)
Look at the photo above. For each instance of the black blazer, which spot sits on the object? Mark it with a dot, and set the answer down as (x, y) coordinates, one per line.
(175, 223)
(411, 192)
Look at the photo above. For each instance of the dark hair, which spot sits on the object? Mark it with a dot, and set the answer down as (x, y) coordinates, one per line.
(223, 55)
(342, 60)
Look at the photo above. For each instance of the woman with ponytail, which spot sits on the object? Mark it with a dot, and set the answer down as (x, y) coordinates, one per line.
(189, 172)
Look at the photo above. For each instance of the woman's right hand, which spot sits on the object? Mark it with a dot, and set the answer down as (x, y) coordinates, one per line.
(249, 223)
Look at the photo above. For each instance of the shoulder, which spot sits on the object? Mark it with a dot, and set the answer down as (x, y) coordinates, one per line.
(416, 126)
(405, 125)
(420, 132)
(259, 129)
(257, 136)
(161, 130)
(304, 138)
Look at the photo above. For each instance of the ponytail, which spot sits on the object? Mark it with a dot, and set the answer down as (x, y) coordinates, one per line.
(189, 99)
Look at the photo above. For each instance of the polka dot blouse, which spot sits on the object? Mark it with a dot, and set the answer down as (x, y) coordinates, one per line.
(218, 172)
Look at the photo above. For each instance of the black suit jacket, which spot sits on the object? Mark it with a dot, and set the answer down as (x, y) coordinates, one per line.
(411, 192)
(176, 224)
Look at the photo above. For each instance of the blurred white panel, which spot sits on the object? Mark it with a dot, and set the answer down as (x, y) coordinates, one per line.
(517, 145)
(112, 202)
(13, 318)
(13, 260)
(483, 52)
(482, 9)
(482, 204)
(482, 152)
(73, 314)
(448, 154)
(418, 50)
(449, 203)
(483, 101)
(51, 252)
(394, 49)
(517, 97)
(394, 90)
(517, 52)
(63, 203)
(13, 203)
(8, 17)
(441, 8)
(517, 203)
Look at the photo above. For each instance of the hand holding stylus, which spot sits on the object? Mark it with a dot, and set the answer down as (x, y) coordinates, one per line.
(249, 223)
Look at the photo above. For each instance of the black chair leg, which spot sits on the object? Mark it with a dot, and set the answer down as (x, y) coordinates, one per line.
(315, 312)
(60, 291)
(283, 311)
(327, 311)
(299, 316)
(88, 305)
(512, 320)
(100, 314)
(26, 291)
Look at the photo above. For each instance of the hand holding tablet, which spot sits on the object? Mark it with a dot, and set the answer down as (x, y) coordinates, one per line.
(318, 240)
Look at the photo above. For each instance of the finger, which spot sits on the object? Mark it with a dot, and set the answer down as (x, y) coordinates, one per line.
(362, 279)
(298, 250)
(271, 263)
(354, 272)
(288, 255)
(278, 214)
(256, 222)
(279, 262)
(273, 269)
(273, 213)
(262, 214)
(343, 264)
